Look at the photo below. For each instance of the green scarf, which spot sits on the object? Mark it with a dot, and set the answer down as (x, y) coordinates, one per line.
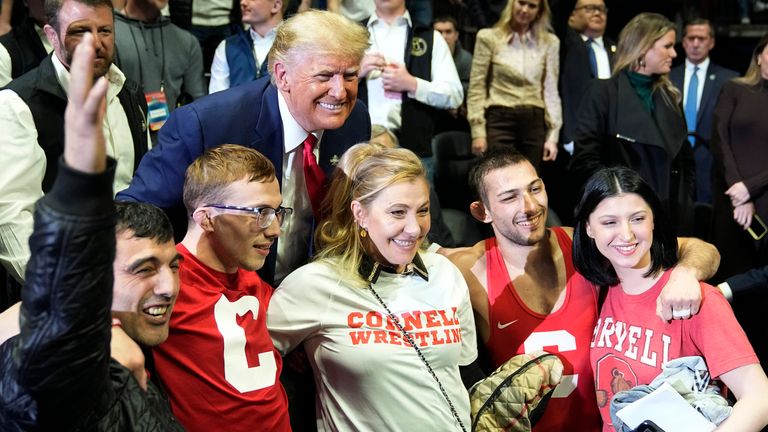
(643, 85)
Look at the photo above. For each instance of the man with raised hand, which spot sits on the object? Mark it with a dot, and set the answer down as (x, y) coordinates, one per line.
(32, 120)
(60, 373)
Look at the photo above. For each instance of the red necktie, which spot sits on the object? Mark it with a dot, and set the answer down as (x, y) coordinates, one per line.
(314, 176)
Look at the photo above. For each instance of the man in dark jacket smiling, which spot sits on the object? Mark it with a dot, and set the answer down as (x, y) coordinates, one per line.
(59, 372)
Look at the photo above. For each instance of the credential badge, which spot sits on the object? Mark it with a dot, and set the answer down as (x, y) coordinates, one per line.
(418, 47)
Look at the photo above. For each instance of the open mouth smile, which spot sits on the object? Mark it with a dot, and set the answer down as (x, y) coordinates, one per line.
(330, 106)
(405, 244)
(158, 314)
(529, 222)
(626, 249)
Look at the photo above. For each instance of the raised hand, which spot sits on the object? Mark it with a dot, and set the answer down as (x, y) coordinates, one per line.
(84, 145)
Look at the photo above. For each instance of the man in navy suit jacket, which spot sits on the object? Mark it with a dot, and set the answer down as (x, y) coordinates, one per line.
(698, 40)
(586, 22)
(313, 66)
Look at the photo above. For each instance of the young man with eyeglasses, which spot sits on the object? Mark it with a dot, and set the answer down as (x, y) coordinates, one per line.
(218, 365)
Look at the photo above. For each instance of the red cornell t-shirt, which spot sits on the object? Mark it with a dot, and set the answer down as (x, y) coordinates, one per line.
(516, 329)
(631, 344)
(218, 365)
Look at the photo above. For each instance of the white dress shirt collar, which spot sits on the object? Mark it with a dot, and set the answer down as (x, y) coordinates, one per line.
(703, 66)
(255, 36)
(406, 17)
(114, 76)
(598, 40)
(526, 39)
(293, 134)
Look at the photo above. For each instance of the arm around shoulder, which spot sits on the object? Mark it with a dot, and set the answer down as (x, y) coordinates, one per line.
(698, 256)
(698, 261)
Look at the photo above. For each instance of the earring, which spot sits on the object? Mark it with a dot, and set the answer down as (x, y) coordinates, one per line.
(642, 63)
(363, 233)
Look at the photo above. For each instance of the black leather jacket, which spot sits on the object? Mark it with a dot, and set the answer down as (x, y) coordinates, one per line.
(58, 374)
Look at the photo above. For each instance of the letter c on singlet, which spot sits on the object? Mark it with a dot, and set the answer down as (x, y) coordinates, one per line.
(564, 342)
(236, 369)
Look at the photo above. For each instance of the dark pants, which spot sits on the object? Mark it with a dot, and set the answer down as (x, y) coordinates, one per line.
(523, 128)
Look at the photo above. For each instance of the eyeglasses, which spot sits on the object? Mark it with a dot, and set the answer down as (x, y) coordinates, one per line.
(264, 215)
(594, 9)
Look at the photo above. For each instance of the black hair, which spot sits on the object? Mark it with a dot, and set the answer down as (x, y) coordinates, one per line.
(699, 21)
(53, 8)
(496, 157)
(447, 18)
(607, 183)
(145, 220)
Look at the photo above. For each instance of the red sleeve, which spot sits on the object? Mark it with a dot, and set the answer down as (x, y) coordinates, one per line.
(718, 336)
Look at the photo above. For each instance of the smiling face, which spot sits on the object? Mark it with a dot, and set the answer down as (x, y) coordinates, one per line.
(515, 203)
(622, 228)
(320, 89)
(697, 42)
(236, 239)
(74, 20)
(145, 287)
(397, 221)
(658, 59)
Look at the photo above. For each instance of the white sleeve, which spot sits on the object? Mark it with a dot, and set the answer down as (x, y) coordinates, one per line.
(6, 67)
(219, 69)
(551, 94)
(21, 179)
(444, 90)
(297, 306)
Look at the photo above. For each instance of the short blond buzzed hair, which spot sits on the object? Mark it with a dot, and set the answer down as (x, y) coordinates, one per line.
(318, 31)
(209, 175)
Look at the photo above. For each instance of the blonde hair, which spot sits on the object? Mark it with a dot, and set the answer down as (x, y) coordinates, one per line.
(377, 130)
(541, 24)
(753, 75)
(635, 40)
(210, 174)
(321, 32)
(362, 173)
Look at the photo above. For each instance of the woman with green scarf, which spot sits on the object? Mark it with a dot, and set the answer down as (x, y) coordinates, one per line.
(635, 119)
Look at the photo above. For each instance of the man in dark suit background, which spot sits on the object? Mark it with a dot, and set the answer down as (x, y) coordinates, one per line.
(311, 98)
(700, 81)
(585, 54)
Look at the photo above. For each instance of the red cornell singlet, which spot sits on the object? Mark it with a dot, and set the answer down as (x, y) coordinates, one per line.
(516, 329)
